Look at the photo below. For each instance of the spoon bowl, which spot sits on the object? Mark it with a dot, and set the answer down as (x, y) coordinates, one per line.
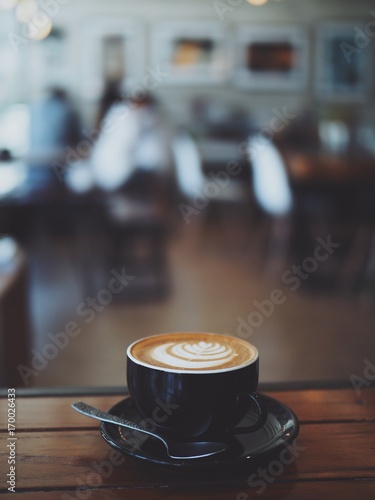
(176, 450)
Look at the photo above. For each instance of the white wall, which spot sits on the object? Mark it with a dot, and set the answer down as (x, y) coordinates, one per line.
(76, 17)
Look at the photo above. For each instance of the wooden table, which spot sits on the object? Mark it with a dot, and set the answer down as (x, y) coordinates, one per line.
(327, 168)
(56, 449)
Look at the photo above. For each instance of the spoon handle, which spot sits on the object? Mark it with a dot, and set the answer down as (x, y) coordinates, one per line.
(103, 416)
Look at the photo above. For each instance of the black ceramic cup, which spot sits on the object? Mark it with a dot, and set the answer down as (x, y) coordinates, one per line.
(186, 404)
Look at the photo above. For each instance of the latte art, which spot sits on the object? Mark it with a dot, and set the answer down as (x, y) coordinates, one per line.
(193, 352)
(201, 355)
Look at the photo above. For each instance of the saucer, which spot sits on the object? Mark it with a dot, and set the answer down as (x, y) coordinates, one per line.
(279, 430)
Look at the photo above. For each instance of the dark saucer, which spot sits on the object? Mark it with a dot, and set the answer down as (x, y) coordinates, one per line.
(249, 449)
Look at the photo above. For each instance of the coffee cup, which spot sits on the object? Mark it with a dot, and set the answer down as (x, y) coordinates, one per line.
(191, 384)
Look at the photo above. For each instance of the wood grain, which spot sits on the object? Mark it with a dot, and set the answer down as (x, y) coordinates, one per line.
(330, 451)
(342, 490)
(309, 406)
(54, 413)
(59, 451)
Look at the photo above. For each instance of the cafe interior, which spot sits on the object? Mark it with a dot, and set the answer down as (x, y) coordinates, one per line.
(175, 165)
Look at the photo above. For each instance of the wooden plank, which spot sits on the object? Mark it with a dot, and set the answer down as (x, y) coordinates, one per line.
(309, 406)
(329, 405)
(324, 490)
(67, 459)
(54, 413)
(337, 450)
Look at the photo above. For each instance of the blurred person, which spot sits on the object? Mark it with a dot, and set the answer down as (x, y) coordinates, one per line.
(132, 152)
(54, 125)
(111, 95)
(130, 163)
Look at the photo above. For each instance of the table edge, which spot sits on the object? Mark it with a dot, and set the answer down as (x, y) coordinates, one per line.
(123, 390)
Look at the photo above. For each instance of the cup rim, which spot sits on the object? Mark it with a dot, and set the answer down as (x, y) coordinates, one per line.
(192, 372)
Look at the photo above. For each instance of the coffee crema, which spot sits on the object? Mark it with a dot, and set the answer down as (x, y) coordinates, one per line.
(193, 352)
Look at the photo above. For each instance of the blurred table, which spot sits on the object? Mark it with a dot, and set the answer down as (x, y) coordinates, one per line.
(56, 449)
(325, 167)
(111, 229)
(334, 194)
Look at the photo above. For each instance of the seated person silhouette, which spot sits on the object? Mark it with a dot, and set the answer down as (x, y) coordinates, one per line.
(54, 125)
(132, 152)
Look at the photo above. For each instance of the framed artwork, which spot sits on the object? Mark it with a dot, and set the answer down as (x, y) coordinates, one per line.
(191, 52)
(113, 52)
(271, 57)
(341, 68)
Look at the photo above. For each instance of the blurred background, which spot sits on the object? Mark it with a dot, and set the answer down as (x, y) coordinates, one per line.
(186, 166)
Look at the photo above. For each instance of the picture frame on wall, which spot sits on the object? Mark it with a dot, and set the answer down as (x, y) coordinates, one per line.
(341, 68)
(114, 51)
(194, 52)
(274, 58)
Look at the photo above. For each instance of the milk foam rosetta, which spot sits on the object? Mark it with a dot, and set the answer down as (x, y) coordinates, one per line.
(193, 352)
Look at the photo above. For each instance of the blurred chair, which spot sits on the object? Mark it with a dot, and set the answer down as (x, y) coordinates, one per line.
(193, 184)
(14, 313)
(274, 199)
(270, 180)
(187, 161)
(138, 233)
